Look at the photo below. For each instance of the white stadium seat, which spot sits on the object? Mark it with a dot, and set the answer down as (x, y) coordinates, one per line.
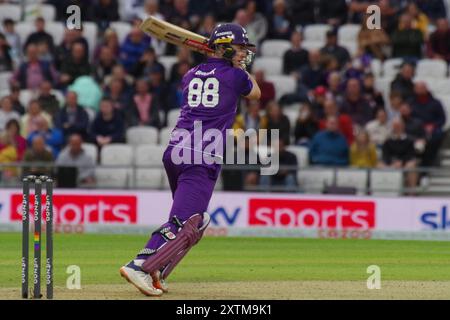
(4, 93)
(301, 153)
(275, 48)
(118, 154)
(445, 100)
(91, 113)
(91, 149)
(437, 86)
(11, 11)
(431, 68)
(112, 177)
(386, 182)
(26, 96)
(149, 155)
(168, 62)
(90, 30)
(59, 95)
(376, 66)
(352, 178)
(283, 85)
(312, 45)
(314, 180)
(383, 85)
(271, 66)
(164, 135)
(391, 67)
(46, 11)
(55, 29)
(149, 178)
(172, 117)
(292, 115)
(122, 29)
(4, 80)
(316, 32)
(142, 135)
(348, 33)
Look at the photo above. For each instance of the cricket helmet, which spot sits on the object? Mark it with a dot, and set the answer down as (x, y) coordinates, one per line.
(229, 33)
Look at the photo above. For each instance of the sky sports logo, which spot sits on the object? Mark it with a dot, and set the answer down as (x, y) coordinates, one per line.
(436, 220)
(312, 214)
(84, 209)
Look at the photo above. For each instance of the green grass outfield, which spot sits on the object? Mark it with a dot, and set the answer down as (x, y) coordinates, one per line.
(222, 260)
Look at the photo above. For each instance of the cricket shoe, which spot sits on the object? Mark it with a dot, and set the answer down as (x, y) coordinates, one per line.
(133, 273)
(159, 282)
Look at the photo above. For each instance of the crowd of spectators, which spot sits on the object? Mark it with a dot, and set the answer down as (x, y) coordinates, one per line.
(342, 119)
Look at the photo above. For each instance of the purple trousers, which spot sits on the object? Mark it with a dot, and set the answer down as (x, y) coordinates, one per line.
(192, 187)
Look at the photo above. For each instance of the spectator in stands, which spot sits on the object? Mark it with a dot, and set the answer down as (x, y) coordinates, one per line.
(151, 8)
(333, 49)
(108, 126)
(119, 73)
(434, 9)
(279, 22)
(395, 102)
(7, 112)
(6, 62)
(42, 39)
(251, 119)
(133, 47)
(53, 136)
(332, 12)
(48, 101)
(159, 89)
(414, 128)
(31, 73)
(110, 40)
(406, 41)
(334, 84)
(13, 130)
(32, 116)
(64, 49)
(183, 57)
(74, 155)
(8, 154)
(267, 88)
(15, 99)
(312, 74)
(132, 9)
(403, 82)
(373, 41)
(302, 12)
(296, 57)
(276, 120)
(430, 111)
(399, 153)
(286, 178)
(72, 118)
(105, 11)
(176, 89)
(13, 39)
(317, 99)
(363, 153)
(257, 23)
(439, 42)
(118, 96)
(148, 63)
(357, 10)
(419, 19)
(370, 93)
(344, 121)
(105, 64)
(355, 105)
(379, 128)
(144, 108)
(75, 66)
(329, 147)
(38, 153)
(306, 125)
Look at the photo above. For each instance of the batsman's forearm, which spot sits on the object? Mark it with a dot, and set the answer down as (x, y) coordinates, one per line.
(256, 87)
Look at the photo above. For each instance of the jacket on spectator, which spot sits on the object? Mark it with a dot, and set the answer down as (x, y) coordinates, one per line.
(114, 128)
(407, 43)
(398, 149)
(345, 127)
(293, 60)
(329, 148)
(135, 116)
(45, 70)
(53, 138)
(430, 111)
(360, 111)
(439, 43)
(363, 158)
(131, 52)
(404, 86)
(76, 123)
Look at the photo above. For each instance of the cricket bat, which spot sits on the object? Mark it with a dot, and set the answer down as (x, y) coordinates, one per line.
(173, 34)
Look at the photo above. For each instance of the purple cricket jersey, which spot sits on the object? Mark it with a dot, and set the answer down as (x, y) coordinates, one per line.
(211, 92)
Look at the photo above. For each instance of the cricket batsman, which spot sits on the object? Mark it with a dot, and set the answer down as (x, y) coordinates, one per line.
(211, 92)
